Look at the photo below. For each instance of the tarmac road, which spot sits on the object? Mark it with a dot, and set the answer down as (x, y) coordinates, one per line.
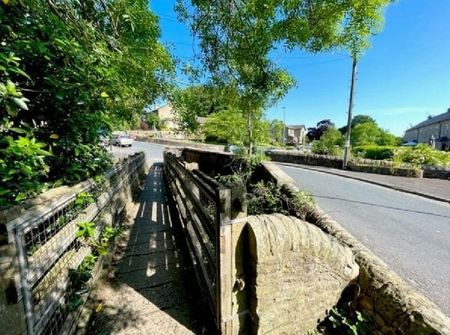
(410, 233)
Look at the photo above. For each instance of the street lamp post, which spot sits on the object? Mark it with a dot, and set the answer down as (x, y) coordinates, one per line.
(284, 124)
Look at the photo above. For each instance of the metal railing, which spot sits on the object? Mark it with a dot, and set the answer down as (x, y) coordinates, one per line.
(47, 247)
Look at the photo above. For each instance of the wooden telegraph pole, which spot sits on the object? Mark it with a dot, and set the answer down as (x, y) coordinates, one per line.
(349, 120)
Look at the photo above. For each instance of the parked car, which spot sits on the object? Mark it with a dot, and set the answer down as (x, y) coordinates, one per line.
(121, 140)
(104, 141)
(235, 149)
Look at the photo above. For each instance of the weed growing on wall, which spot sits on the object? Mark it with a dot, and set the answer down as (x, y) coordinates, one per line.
(346, 322)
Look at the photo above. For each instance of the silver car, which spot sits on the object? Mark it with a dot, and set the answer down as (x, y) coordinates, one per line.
(121, 140)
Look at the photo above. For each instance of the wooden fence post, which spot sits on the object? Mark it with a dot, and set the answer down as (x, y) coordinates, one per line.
(224, 261)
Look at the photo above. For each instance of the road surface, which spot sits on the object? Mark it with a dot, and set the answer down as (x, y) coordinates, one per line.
(408, 232)
(153, 152)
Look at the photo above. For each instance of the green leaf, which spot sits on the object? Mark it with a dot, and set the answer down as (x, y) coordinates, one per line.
(11, 88)
(20, 197)
(4, 192)
(104, 95)
(21, 72)
(58, 183)
(21, 103)
(18, 130)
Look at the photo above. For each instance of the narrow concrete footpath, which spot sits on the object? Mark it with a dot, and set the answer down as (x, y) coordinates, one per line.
(146, 292)
(436, 189)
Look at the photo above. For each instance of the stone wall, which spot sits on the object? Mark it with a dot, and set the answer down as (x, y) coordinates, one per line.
(436, 173)
(180, 143)
(386, 170)
(359, 165)
(298, 274)
(305, 159)
(394, 305)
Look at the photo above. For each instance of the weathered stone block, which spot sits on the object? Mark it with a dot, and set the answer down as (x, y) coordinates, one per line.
(299, 273)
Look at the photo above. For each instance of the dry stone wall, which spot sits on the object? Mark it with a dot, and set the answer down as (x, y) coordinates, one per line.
(359, 165)
(436, 173)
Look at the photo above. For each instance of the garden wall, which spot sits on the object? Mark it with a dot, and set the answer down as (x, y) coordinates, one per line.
(386, 170)
(357, 165)
(430, 172)
(40, 247)
(394, 306)
(300, 158)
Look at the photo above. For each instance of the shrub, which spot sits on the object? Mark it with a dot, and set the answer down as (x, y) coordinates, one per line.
(329, 144)
(23, 167)
(267, 198)
(422, 154)
(375, 151)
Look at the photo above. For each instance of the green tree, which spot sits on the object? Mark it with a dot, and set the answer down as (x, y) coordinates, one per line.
(237, 38)
(153, 121)
(70, 71)
(330, 143)
(389, 139)
(365, 134)
(369, 133)
(197, 101)
(358, 119)
(235, 46)
(228, 126)
(277, 130)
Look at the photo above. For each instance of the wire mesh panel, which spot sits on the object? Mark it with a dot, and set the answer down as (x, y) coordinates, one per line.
(48, 248)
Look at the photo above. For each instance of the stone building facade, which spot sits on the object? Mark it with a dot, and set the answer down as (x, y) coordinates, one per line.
(436, 127)
(167, 115)
(295, 134)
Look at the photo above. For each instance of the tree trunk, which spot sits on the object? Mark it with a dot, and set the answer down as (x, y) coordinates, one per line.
(250, 134)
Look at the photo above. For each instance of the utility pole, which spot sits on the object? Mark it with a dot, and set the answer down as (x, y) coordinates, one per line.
(284, 124)
(349, 120)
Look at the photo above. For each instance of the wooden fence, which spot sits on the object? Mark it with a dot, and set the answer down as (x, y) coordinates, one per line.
(47, 247)
(207, 218)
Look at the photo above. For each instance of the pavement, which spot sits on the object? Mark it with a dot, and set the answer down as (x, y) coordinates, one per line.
(148, 289)
(436, 189)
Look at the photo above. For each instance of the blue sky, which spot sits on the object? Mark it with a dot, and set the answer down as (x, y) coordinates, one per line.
(402, 78)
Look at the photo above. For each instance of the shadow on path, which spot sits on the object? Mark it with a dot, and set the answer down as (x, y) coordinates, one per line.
(148, 294)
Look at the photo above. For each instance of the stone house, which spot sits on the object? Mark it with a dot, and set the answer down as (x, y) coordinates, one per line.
(437, 127)
(295, 134)
(167, 116)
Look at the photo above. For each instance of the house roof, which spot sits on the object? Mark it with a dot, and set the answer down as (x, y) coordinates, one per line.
(435, 119)
(300, 126)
